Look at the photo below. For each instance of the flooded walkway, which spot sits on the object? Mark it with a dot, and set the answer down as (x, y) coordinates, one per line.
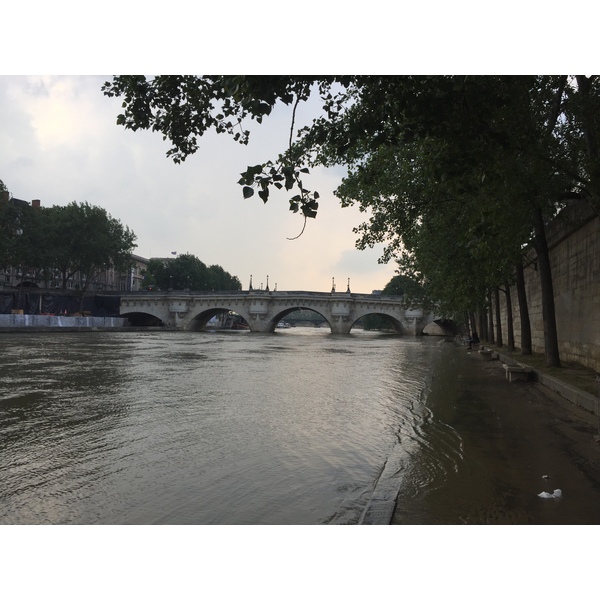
(519, 440)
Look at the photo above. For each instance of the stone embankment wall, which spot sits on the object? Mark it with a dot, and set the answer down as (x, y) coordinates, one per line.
(574, 241)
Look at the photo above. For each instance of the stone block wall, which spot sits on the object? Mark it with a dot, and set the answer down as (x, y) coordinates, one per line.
(574, 241)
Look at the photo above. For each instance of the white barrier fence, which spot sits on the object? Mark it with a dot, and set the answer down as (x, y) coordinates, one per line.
(17, 321)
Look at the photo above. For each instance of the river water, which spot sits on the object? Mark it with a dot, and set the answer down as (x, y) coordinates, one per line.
(296, 427)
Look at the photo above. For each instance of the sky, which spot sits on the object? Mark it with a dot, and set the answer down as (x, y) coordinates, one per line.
(59, 143)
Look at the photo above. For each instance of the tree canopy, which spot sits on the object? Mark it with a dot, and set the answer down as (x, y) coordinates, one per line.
(457, 175)
(188, 272)
(362, 114)
(63, 240)
(86, 239)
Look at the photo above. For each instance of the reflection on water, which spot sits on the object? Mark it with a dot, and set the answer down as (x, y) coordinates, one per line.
(174, 427)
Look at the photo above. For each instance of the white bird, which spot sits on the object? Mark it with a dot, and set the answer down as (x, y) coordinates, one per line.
(556, 494)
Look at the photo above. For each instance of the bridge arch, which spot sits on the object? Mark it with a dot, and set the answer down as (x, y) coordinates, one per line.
(198, 321)
(289, 310)
(143, 319)
(443, 327)
(393, 321)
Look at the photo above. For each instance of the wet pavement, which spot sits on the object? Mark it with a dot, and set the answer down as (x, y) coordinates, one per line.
(519, 440)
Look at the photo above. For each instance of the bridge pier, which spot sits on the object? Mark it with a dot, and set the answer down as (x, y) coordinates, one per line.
(260, 325)
(340, 326)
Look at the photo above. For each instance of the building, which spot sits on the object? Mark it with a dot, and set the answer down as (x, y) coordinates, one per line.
(133, 280)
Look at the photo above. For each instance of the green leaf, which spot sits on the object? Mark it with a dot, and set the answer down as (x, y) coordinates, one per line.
(255, 170)
(289, 181)
(308, 212)
(248, 192)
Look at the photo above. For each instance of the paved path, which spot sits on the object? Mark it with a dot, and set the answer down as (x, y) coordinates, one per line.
(519, 440)
(514, 434)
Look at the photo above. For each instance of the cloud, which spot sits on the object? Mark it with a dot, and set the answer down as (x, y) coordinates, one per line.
(60, 142)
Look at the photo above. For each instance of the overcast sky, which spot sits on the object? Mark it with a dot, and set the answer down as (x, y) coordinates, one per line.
(59, 142)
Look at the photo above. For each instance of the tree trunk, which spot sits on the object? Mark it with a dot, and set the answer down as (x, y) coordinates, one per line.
(510, 333)
(548, 309)
(483, 333)
(491, 338)
(523, 311)
(499, 339)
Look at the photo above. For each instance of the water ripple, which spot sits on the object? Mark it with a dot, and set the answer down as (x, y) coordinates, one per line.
(182, 427)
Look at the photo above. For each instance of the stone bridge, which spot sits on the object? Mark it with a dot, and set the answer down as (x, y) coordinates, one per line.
(263, 310)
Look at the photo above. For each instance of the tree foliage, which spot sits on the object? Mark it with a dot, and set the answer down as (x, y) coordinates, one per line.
(362, 114)
(457, 175)
(64, 240)
(86, 239)
(188, 272)
(8, 227)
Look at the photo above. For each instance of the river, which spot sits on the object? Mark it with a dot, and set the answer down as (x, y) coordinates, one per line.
(296, 427)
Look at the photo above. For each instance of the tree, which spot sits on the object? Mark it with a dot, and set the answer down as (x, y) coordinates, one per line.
(412, 289)
(219, 279)
(8, 227)
(189, 272)
(21, 234)
(527, 141)
(86, 239)
(154, 273)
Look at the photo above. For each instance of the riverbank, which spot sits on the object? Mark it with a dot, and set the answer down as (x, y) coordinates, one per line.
(518, 440)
